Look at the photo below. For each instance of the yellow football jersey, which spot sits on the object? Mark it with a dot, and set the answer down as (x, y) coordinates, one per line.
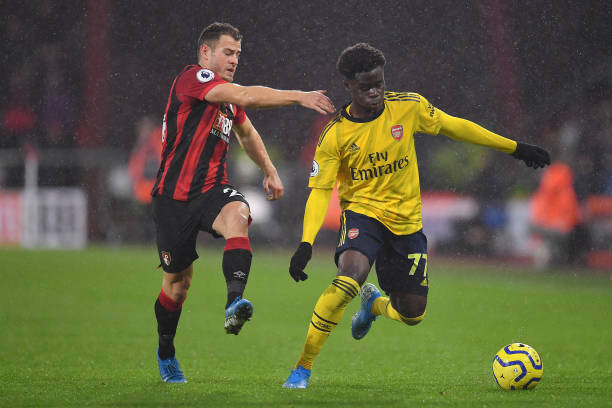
(374, 161)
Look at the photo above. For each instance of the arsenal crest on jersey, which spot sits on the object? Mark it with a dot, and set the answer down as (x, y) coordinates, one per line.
(397, 132)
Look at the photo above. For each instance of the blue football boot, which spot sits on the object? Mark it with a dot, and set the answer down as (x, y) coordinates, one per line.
(363, 319)
(236, 314)
(169, 370)
(298, 378)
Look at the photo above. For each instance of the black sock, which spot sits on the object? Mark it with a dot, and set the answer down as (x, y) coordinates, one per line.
(167, 322)
(236, 266)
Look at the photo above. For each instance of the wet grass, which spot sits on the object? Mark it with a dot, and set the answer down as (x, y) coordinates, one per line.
(79, 330)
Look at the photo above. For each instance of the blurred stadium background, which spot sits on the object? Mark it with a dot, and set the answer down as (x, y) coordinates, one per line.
(84, 85)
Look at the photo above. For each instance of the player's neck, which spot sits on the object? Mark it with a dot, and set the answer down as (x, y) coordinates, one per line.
(360, 112)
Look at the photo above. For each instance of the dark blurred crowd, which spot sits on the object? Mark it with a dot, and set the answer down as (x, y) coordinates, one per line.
(43, 77)
(571, 211)
(570, 202)
(41, 72)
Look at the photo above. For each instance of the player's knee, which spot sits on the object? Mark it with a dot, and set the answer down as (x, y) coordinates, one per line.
(410, 307)
(240, 215)
(178, 285)
(233, 220)
(413, 321)
(354, 265)
(179, 297)
(178, 293)
(185, 285)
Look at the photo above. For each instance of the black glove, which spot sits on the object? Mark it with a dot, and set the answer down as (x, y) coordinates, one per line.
(533, 156)
(299, 261)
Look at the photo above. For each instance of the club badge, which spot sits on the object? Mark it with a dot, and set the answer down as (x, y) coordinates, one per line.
(397, 132)
(353, 233)
(166, 257)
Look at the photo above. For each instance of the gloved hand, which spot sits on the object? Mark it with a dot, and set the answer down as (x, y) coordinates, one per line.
(533, 156)
(299, 261)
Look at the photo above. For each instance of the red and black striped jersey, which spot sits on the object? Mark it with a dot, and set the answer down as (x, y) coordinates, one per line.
(195, 136)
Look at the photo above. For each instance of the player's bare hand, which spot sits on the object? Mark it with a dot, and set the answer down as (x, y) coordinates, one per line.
(318, 101)
(273, 186)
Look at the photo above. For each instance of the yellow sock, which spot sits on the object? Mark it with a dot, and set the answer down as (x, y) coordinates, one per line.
(327, 313)
(382, 307)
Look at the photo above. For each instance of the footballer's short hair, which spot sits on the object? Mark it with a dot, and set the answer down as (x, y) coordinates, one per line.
(361, 57)
(211, 34)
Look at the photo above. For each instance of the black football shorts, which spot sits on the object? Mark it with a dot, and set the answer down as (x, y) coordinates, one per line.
(177, 224)
(401, 260)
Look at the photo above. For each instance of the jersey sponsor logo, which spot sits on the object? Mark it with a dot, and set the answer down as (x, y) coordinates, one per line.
(166, 257)
(397, 132)
(205, 75)
(378, 156)
(222, 125)
(353, 233)
(315, 169)
(365, 174)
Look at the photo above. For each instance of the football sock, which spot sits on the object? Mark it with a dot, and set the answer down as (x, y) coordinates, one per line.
(327, 313)
(167, 312)
(382, 307)
(236, 266)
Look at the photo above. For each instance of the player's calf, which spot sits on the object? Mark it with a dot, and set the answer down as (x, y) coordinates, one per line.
(412, 321)
(405, 308)
(411, 307)
(236, 266)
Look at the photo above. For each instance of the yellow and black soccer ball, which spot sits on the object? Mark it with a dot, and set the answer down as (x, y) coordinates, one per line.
(517, 366)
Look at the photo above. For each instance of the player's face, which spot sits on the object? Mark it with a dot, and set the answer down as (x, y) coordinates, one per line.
(367, 90)
(223, 57)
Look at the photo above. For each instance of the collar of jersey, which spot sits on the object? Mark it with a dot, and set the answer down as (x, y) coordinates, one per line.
(346, 114)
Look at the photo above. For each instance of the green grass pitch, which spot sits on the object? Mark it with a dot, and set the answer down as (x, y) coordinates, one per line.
(78, 330)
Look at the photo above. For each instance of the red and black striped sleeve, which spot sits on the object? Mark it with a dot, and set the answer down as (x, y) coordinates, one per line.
(196, 82)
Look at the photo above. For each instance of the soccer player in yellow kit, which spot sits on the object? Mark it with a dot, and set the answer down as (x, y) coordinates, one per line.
(368, 148)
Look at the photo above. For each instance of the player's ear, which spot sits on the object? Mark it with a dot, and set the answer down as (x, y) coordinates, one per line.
(205, 51)
(347, 85)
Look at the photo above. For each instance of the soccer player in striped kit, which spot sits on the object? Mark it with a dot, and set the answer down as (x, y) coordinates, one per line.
(368, 149)
(192, 192)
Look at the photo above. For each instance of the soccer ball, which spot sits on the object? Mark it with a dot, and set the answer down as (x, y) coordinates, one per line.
(517, 367)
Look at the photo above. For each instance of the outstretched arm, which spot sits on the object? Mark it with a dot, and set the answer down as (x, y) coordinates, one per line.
(254, 147)
(264, 97)
(465, 131)
(314, 215)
